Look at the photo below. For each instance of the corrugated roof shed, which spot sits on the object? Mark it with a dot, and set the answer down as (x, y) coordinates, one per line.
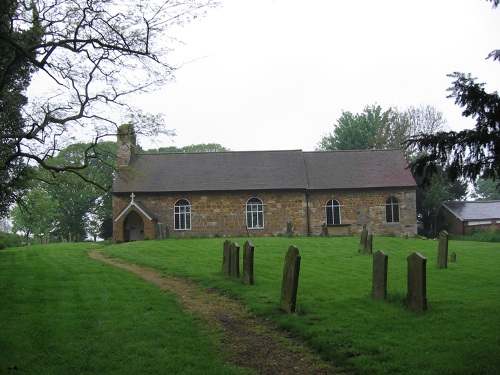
(265, 170)
(475, 210)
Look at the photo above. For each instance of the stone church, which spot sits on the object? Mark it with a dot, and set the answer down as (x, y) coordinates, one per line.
(261, 193)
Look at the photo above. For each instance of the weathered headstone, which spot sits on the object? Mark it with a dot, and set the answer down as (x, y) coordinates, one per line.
(226, 258)
(417, 279)
(369, 244)
(290, 280)
(289, 228)
(442, 258)
(248, 249)
(379, 277)
(454, 257)
(324, 230)
(235, 260)
(362, 241)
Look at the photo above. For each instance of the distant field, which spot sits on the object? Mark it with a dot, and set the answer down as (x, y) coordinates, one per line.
(458, 334)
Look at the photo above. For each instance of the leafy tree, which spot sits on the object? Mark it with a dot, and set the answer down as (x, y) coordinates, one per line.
(430, 198)
(37, 215)
(202, 147)
(15, 77)
(378, 129)
(357, 131)
(90, 55)
(470, 153)
(80, 203)
(486, 189)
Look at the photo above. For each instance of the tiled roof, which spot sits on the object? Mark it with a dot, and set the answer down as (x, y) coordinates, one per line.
(477, 210)
(265, 170)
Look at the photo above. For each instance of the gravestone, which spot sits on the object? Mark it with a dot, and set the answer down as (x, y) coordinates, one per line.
(379, 277)
(417, 294)
(290, 280)
(454, 257)
(248, 263)
(234, 262)
(226, 258)
(324, 230)
(362, 241)
(289, 228)
(442, 258)
(369, 244)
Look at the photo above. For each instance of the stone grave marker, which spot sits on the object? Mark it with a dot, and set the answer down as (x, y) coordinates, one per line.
(379, 277)
(290, 280)
(324, 230)
(289, 228)
(226, 258)
(362, 241)
(235, 260)
(442, 258)
(454, 257)
(369, 244)
(248, 249)
(417, 294)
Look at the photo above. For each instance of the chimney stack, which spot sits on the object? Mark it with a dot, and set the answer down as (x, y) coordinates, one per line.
(126, 141)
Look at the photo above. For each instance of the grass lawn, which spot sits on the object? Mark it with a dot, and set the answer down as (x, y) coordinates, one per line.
(64, 313)
(458, 334)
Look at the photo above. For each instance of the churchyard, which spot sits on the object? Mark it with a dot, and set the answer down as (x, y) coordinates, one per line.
(63, 311)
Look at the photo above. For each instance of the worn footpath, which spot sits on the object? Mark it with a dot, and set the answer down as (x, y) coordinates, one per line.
(247, 341)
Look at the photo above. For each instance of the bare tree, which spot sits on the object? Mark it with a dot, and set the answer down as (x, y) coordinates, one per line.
(85, 57)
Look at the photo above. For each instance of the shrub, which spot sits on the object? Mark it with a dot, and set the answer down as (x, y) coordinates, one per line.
(10, 240)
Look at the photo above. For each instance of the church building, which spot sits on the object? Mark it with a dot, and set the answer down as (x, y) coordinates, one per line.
(261, 193)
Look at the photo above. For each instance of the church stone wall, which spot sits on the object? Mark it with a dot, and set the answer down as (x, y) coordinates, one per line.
(359, 207)
(223, 214)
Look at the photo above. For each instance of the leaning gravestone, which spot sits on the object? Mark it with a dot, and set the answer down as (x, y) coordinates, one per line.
(379, 277)
(290, 280)
(416, 297)
(442, 258)
(369, 244)
(226, 258)
(235, 260)
(362, 241)
(248, 263)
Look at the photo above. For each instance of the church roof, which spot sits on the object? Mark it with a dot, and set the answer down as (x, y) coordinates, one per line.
(264, 170)
(475, 210)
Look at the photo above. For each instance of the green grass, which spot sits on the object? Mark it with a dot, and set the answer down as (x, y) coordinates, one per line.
(458, 334)
(64, 313)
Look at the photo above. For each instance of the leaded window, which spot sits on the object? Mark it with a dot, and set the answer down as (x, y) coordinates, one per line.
(333, 212)
(392, 210)
(182, 219)
(255, 213)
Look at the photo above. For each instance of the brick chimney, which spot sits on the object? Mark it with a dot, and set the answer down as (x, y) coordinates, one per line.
(125, 145)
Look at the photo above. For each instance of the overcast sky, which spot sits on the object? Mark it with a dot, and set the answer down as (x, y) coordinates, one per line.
(277, 74)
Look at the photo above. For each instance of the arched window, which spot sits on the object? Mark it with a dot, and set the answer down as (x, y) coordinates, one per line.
(392, 210)
(332, 212)
(182, 215)
(255, 213)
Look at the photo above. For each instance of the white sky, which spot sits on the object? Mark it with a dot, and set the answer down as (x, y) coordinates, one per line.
(276, 74)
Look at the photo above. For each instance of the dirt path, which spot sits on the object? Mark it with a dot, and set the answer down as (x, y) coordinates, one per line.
(249, 341)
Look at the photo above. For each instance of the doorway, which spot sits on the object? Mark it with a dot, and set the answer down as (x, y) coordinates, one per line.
(133, 228)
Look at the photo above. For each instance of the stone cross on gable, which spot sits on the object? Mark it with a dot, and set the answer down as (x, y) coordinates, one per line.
(132, 196)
